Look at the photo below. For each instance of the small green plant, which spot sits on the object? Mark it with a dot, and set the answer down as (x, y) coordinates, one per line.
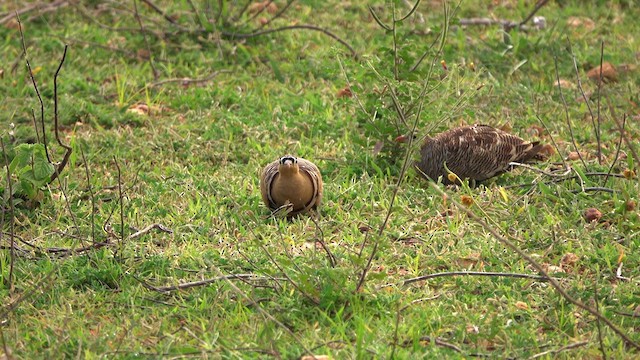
(32, 170)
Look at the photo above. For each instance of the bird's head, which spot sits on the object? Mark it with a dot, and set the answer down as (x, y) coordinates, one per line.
(288, 165)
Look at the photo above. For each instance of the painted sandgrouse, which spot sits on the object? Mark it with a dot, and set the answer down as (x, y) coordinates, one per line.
(476, 153)
(291, 184)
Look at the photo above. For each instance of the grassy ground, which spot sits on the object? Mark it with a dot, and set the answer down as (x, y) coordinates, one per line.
(191, 163)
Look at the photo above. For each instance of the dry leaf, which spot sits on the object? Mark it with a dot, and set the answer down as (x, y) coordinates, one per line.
(140, 109)
(630, 205)
(581, 22)
(568, 259)
(592, 214)
(565, 84)
(316, 357)
(547, 150)
(535, 130)
(472, 329)
(573, 156)
(259, 6)
(522, 305)
(609, 72)
(629, 174)
(346, 92)
(466, 200)
(13, 24)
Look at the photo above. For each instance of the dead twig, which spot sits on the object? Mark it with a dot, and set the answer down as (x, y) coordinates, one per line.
(35, 87)
(188, 285)
(160, 227)
(468, 273)
(236, 36)
(596, 128)
(566, 112)
(155, 72)
(556, 351)
(538, 6)
(9, 280)
(556, 285)
(41, 7)
(615, 158)
(627, 141)
(56, 126)
(188, 81)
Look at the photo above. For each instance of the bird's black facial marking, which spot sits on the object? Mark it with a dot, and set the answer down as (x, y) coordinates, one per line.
(288, 159)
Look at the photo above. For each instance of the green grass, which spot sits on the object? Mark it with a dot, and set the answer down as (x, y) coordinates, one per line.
(193, 165)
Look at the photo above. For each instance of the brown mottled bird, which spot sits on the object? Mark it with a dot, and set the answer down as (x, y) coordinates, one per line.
(294, 182)
(475, 152)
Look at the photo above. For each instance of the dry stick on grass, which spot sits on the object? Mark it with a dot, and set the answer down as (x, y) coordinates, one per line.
(332, 259)
(257, 306)
(56, 127)
(121, 202)
(615, 158)
(165, 289)
(277, 15)
(598, 95)
(538, 6)
(41, 7)
(596, 128)
(407, 158)
(188, 81)
(35, 87)
(91, 194)
(566, 112)
(234, 36)
(630, 144)
(557, 351)
(436, 341)
(468, 273)
(556, 285)
(155, 72)
(599, 325)
(11, 218)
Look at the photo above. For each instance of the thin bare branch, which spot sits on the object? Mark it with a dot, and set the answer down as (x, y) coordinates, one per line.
(566, 112)
(56, 126)
(556, 351)
(9, 280)
(155, 72)
(35, 87)
(588, 103)
(233, 36)
(188, 285)
(538, 6)
(188, 81)
(468, 273)
(556, 285)
(615, 158)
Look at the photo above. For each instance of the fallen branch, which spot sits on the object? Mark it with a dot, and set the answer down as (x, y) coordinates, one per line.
(192, 284)
(556, 351)
(187, 81)
(556, 285)
(468, 273)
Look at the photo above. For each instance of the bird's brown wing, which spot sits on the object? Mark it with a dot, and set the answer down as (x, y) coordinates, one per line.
(312, 171)
(267, 177)
(479, 152)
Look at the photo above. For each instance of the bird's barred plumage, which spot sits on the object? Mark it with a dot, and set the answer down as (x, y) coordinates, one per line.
(293, 181)
(476, 152)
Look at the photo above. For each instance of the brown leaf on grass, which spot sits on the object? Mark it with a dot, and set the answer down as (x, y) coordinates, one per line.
(345, 92)
(574, 156)
(630, 205)
(535, 130)
(629, 174)
(522, 305)
(140, 109)
(565, 84)
(609, 72)
(259, 6)
(472, 329)
(582, 22)
(592, 214)
(466, 200)
(547, 150)
(568, 260)
(12, 24)
(552, 268)
(470, 261)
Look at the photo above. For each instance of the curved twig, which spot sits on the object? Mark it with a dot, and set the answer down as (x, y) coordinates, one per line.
(232, 36)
